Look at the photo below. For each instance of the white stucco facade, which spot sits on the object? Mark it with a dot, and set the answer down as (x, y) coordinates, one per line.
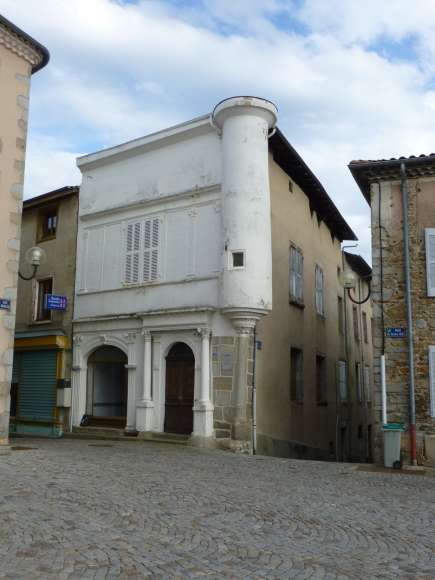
(174, 246)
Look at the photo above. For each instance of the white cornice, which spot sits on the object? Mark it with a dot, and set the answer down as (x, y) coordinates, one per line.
(173, 134)
(14, 43)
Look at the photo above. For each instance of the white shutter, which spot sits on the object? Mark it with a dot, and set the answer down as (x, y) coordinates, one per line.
(132, 253)
(151, 249)
(319, 286)
(430, 260)
(296, 273)
(432, 380)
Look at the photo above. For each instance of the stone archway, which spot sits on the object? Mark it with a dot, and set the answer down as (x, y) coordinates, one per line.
(106, 395)
(179, 389)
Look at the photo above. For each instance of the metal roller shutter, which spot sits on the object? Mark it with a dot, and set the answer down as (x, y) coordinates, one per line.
(37, 385)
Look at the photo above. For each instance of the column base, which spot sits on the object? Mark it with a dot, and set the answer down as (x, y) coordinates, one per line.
(144, 415)
(203, 420)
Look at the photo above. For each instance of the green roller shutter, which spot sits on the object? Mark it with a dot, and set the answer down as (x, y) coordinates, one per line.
(37, 385)
(16, 367)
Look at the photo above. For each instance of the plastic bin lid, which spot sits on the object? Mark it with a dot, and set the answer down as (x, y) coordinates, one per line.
(394, 427)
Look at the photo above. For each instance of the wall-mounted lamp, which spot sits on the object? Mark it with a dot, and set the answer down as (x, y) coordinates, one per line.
(349, 281)
(34, 257)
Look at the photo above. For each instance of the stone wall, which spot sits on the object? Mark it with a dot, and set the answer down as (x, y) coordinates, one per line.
(420, 215)
(15, 84)
(225, 361)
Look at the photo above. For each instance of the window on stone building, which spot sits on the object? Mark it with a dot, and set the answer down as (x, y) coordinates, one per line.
(42, 288)
(319, 290)
(142, 249)
(296, 375)
(432, 379)
(355, 323)
(365, 329)
(47, 223)
(342, 380)
(430, 260)
(321, 392)
(296, 275)
(367, 383)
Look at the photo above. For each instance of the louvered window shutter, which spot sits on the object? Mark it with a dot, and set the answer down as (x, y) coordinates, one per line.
(430, 260)
(151, 249)
(318, 277)
(432, 379)
(132, 256)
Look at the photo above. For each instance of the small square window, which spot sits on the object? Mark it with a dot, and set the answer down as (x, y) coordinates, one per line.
(238, 259)
(47, 223)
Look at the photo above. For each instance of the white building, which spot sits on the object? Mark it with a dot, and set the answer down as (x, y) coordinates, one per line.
(174, 271)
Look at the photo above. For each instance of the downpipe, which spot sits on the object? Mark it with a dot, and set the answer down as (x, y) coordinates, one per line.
(254, 396)
(412, 423)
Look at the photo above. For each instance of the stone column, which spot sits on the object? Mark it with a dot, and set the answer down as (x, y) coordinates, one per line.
(79, 372)
(203, 409)
(131, 385)
(145, 408)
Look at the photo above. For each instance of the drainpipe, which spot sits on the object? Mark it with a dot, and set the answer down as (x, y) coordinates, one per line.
(412, 425)
(381, 281)
(254, 396)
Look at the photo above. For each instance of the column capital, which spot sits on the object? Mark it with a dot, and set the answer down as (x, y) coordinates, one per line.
(204, 332)
(146, 334)
(130, 337)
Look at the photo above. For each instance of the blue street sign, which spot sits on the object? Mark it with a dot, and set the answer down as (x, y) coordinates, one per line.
(259, 344)
(5, 304)
(55, 302)
(395, 332)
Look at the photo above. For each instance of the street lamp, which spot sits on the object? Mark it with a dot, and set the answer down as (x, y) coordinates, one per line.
(349, 281)
(34, 256)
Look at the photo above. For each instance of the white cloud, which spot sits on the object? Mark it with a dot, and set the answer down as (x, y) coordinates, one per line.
(119, 71)
(49, 165)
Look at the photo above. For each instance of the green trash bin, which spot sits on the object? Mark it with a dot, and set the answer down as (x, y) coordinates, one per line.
(392, 436)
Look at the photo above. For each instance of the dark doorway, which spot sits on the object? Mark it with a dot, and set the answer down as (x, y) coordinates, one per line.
(107, 387)
(180, 378)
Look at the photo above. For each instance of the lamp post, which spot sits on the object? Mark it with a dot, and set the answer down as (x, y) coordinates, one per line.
(349, 281)
(35, 256)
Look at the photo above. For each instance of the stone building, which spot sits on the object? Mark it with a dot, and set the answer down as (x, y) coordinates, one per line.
(41, 392)
(20, 57)
(405, 336)
(191, 241)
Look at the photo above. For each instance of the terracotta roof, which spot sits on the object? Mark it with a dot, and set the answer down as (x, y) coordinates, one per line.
(292, 163)
(366, 172)
(51, 196)
(28, 40)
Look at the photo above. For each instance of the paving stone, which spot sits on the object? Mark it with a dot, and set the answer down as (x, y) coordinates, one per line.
(70, 510)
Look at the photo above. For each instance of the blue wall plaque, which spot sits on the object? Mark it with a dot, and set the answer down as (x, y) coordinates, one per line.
(396, 332)
(55, 302)
(5, 304)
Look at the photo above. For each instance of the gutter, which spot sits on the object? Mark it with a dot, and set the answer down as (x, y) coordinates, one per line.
(412, 424)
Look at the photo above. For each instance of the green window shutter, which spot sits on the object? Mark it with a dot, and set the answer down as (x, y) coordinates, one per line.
(37, 385)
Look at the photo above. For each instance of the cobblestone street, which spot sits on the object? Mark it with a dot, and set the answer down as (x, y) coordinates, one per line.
(102, 509)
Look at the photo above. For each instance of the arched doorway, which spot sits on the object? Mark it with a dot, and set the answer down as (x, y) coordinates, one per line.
(180, 379)
(106, 403)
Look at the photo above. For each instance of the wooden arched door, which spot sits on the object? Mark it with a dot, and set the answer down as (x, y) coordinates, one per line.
(180, 379)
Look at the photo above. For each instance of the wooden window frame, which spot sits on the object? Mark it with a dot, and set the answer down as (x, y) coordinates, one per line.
(296, 278)
(36, 287)
(41, 235)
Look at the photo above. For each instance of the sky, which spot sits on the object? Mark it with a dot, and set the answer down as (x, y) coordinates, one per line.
(351, 79)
